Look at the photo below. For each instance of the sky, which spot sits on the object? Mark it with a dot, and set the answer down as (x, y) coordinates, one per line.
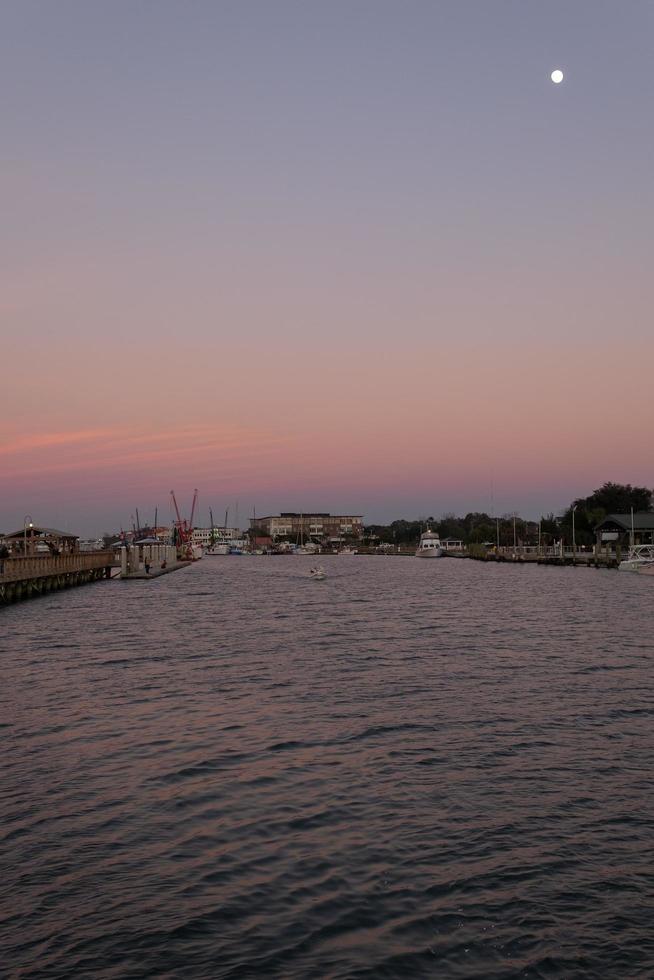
(359, 257)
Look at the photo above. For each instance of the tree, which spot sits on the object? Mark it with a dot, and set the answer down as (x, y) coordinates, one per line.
(480, 534)
(610, 498)
(451, 526)
(616, 498)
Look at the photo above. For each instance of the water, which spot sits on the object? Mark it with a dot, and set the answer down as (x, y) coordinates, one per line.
(413, 769)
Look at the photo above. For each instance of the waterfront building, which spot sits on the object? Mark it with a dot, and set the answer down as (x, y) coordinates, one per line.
(305, 527)
(615, 533)
(452, 544)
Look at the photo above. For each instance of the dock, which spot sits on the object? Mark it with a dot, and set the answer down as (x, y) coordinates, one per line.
(534, 556)
(36, 575)
(146, 561)
(154, 572)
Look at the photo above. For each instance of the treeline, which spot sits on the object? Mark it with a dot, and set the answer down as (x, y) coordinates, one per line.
(611, 498)
(477, 528)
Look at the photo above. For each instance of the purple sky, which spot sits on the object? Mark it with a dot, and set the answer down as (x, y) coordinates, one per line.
(345, 255)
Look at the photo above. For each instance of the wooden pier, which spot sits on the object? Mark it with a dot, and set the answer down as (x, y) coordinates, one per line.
(23, 578)
(550, 556)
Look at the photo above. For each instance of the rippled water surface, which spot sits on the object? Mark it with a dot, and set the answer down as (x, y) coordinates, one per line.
(413, 769)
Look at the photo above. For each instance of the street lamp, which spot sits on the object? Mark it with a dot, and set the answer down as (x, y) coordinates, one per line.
(28, 517)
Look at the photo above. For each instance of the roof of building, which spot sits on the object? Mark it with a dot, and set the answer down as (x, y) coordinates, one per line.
(33, 531)
(305, 515)
(643, 520)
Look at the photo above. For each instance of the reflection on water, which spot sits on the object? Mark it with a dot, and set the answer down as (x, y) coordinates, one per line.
(438, 769)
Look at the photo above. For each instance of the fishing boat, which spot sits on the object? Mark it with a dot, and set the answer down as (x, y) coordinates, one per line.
(430, 545)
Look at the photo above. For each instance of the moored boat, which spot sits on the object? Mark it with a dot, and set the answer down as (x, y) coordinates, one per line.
(218, 549)
(430, 545)
(639, 557)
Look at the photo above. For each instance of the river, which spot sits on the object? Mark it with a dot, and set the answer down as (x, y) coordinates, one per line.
(412, 769)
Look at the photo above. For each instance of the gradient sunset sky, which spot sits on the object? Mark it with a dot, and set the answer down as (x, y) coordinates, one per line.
(353, 256)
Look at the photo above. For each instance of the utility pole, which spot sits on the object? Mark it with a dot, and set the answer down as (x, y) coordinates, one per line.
(26, 519)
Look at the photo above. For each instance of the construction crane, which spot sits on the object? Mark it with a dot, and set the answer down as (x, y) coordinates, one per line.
(183, 530)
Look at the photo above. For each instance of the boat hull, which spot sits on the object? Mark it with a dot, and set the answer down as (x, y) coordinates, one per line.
(640, 556)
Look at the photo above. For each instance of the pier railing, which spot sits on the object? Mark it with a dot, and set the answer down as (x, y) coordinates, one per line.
(18, 569)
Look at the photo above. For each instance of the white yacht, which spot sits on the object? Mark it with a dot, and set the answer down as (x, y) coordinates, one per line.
(218, 549)
(640, 556)
(430, 545)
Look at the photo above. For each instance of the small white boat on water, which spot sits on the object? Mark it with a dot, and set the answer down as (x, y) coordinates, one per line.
(430, 545)
(318, 573)
(218, 549)
(640, 557)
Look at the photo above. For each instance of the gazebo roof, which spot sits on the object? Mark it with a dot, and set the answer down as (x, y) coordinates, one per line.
(33, 531)
(643, 521)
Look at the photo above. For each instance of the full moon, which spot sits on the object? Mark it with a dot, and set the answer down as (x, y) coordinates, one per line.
(557, 76)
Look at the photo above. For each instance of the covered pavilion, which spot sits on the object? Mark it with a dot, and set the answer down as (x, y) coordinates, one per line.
(619, 531)
(33, 540)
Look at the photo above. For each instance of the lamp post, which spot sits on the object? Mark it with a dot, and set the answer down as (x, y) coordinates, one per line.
(28, 517)
(574, 542)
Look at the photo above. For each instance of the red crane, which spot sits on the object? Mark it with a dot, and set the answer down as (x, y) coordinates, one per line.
(184, 529)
